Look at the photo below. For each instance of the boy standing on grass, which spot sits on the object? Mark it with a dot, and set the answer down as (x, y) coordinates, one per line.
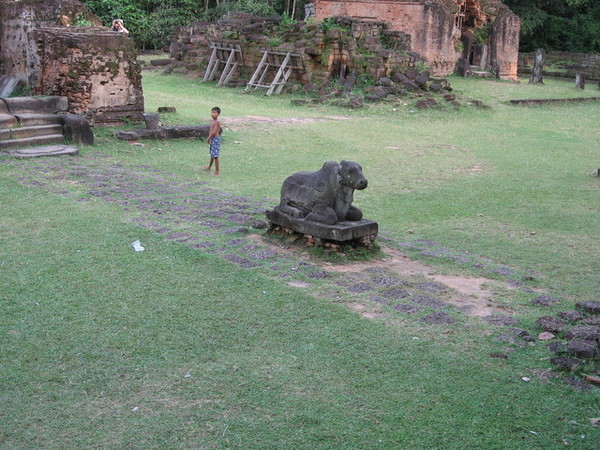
(214, 140)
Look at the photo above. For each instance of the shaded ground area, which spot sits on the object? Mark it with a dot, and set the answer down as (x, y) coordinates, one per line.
(209, 220)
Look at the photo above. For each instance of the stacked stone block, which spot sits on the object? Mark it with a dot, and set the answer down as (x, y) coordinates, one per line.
(348, 46)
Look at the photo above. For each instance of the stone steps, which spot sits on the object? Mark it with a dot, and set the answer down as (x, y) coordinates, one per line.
(32, 119)
(40, 121)
(8, 121)
(481, 73)
(37, 121)
(31, 141)
(30, 131)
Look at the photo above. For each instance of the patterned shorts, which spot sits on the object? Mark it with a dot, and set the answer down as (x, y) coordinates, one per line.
(215, 147)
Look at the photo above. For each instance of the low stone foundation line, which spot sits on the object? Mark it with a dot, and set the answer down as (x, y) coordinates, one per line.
(533, 102)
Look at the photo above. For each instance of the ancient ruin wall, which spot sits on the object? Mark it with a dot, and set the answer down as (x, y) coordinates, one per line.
(95, 68)
(351, 46)
(433, 27)
(430, 26)
(19, 17)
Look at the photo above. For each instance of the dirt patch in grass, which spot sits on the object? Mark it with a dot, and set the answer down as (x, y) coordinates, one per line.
(298, 284)
(469, 295)
(248, 121)
(367, 311)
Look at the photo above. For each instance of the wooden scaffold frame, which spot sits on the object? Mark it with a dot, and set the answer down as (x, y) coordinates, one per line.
(226, 57)
(283, 63)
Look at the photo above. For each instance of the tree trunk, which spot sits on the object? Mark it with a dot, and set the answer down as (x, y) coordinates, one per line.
(538, 66)
(580, 80)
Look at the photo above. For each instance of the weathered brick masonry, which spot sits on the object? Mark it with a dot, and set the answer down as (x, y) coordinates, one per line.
(19, 17)
(95, 68)
(439, 29)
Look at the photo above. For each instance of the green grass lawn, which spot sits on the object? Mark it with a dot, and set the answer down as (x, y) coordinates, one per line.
(479, 180)
(173, 347)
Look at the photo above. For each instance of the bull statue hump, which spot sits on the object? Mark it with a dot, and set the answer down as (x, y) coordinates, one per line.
(325, 195)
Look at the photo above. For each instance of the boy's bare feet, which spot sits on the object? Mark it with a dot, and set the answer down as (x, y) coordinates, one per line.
(215, 173)
(207, 168)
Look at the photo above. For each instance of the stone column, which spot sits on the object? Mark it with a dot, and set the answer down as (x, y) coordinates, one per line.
(504, 46)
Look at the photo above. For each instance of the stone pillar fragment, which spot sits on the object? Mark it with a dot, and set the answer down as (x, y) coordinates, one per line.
(504, 46)
(580, 80)
(539, 61)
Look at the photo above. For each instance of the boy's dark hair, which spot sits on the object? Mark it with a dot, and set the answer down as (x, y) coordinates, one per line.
(217, 109)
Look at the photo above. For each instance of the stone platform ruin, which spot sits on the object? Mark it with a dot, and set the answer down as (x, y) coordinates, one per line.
(95, 68)
(39, 126)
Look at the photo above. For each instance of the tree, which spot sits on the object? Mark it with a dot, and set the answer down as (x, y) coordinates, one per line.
(150, 22)
(567, 25)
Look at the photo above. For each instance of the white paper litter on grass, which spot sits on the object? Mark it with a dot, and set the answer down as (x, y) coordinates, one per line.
(137, 246)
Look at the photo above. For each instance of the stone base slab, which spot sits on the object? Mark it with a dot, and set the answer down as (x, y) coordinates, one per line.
(46, 150)
(340, 232)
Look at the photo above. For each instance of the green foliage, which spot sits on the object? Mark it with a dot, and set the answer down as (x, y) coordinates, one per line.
(420, 65)
(364, 80)
(274, 41)
(230, 34)
(160, 23)
(565, 25)
(150, 23)
(256, 7)
(482, 35)
(22, 91)
(325, 54)
(330, 23)
(81, 21)
(459, 46)
(286, 21)
(387, 41)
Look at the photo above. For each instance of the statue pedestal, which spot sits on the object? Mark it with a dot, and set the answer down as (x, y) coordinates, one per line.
(362, 231)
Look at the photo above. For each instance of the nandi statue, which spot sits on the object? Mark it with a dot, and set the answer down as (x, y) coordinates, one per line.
(323, 196)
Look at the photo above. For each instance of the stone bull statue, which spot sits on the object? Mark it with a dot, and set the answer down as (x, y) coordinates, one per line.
(323, 196)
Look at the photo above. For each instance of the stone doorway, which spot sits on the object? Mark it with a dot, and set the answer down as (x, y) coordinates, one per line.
(473, 24)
